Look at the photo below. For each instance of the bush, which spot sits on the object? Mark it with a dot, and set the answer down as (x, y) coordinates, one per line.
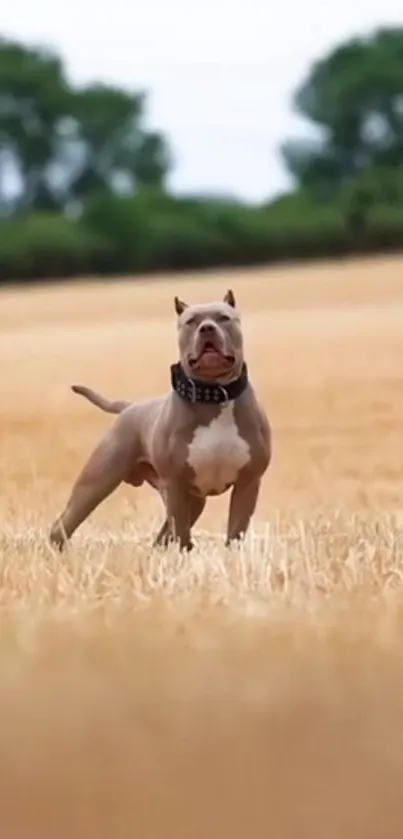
(384, 228)
(302, 229)
(48, 246)
(152, 232)
(124, 225)
(155, 233)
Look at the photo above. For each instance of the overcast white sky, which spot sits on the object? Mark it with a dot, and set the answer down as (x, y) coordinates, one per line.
(220, 73)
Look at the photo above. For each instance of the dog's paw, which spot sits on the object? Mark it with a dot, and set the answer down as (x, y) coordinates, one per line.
(57, 537)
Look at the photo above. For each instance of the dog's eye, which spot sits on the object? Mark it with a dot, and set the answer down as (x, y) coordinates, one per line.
(224, 318)
(190, 321)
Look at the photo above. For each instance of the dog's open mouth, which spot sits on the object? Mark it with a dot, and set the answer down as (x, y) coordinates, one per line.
(212, 356)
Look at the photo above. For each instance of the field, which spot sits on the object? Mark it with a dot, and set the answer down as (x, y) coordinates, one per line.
(232, 693)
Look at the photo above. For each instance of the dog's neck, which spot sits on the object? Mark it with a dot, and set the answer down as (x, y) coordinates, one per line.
(213, 393)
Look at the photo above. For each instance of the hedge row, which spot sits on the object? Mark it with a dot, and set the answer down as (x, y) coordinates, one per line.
(149, 234)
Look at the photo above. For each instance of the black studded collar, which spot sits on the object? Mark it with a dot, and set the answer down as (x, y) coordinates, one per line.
(193, 390)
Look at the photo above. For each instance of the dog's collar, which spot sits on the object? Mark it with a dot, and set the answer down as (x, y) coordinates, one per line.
(193, 390)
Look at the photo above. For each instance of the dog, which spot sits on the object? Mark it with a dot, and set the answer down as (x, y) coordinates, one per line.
(207, 436)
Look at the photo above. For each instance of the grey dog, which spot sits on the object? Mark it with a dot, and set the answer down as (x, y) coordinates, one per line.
(207, 435)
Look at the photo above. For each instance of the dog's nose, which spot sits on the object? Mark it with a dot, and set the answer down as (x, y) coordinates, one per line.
(207, 328)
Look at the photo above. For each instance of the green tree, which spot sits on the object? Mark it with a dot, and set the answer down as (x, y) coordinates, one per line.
(110, 149)
(33, 101)
(150, 161)
(66, 144)
(354, 98)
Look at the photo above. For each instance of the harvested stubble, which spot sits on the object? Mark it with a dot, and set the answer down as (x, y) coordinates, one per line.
(231, 693)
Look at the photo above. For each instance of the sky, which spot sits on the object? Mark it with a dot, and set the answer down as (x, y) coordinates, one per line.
(219, 74)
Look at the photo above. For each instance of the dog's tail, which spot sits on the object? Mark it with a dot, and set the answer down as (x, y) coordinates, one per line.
(100, 401)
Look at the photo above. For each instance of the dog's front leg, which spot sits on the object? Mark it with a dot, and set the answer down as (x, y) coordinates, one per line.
(196, 507)
(182, 511)
(242, 506)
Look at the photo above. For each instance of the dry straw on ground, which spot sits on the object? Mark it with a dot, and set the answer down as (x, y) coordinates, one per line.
(256, 692)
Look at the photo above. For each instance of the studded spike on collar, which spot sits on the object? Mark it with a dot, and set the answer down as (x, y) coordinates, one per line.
(213, 393)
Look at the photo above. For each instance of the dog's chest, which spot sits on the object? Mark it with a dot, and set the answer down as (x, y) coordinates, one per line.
(217, 453)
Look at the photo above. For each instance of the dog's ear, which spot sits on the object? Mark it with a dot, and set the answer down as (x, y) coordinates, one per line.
(230, 298)
(180, 306)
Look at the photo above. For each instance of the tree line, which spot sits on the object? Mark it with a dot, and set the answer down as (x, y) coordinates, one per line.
(83, 182)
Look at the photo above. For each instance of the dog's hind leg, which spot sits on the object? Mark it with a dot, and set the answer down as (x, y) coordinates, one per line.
(101, 475)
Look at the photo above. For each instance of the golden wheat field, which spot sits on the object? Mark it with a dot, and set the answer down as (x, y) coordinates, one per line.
(253, 692)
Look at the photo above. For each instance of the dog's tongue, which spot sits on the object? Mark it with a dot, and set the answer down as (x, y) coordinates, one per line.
(210, 356)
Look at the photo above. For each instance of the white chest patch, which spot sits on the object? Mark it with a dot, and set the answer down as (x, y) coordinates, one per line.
(217, 453)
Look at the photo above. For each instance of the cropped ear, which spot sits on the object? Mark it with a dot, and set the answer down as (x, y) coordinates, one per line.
(180, 306)
(230, 298)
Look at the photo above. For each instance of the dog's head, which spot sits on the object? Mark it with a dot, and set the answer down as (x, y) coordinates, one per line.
(210, 339)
